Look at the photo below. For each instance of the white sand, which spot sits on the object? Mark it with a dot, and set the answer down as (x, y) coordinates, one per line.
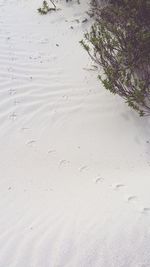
(74, 160)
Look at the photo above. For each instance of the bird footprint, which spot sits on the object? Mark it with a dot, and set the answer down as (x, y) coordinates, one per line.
(31, 142)
(146, 210)
(132, 198)
(118, 186)
(83, 168)
(51, 151)
(63, 162)
(99, 179)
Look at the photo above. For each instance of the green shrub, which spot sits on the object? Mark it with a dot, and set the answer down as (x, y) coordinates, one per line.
(119, 41)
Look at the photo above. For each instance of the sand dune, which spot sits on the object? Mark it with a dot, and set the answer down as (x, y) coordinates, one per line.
(74, 160)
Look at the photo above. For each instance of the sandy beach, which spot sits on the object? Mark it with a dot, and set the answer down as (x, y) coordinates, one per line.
(74, 159)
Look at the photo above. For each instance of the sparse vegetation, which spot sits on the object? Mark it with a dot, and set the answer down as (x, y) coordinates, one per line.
(46, 8)
(119, 41)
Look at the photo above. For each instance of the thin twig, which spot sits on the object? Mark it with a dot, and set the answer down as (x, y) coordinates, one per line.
(53, 4)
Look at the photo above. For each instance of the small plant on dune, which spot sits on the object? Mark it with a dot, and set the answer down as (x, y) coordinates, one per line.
(119, 41)
(45, 8)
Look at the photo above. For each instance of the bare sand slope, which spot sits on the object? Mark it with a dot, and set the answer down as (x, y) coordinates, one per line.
(74, 160)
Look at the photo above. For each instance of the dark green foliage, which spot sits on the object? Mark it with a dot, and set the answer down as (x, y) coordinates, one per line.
(119, 41)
